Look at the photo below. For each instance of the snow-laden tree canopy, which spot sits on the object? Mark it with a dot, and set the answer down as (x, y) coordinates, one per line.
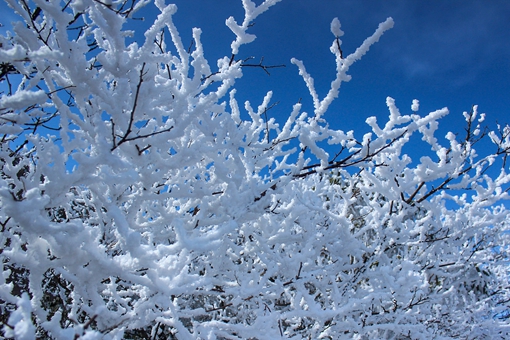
(140, 200)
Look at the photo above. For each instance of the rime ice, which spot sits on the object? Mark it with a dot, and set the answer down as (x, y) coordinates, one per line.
(140, 199)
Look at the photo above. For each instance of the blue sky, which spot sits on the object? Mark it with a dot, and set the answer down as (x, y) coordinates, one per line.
(444, 53)
(453, 53)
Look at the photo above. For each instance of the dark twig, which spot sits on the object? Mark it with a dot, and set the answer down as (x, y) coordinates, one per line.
(159, 43)
(140, 151)
(262, 66)
(339, 48)
(298, 276)
(222, 307)
(156, 331)
(3, 224)
(149, 134)
(133, 110)
(191, 44)
(120, 10)
(411, 198)
(267, 121)
(344, 163)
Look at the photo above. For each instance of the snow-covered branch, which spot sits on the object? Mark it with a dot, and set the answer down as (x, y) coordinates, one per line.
(138, 199)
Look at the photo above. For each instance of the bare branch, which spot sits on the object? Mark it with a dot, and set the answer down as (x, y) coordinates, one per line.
(262, 66)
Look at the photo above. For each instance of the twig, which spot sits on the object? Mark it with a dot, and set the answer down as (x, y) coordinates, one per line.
(125, 137)
(218, 308)
(156, 331)
(3, 224)
(262, 66)
(339, 48)
(265, 117)
(298, 276)
(410, 199)
(121, 10)
(140, 151)
(344, 163)
(159, 43)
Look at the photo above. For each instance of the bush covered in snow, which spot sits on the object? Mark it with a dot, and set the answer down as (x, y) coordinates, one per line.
(139, 201)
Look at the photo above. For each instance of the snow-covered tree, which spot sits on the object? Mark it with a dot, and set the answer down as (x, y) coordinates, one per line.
(139, 201)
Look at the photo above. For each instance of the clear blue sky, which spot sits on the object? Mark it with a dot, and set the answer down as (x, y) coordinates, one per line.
(444, 53)
(451, 53)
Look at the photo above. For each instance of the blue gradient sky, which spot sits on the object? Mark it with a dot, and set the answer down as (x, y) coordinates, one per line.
(444, 53)
(453, 53)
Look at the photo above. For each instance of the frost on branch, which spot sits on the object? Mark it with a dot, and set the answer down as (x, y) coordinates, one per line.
(252, 11)
(139, 199)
